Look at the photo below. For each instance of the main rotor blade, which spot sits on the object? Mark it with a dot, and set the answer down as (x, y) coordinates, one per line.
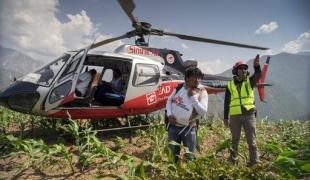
(200, 39)
(106, 41)
(128, 6)
(215, 77)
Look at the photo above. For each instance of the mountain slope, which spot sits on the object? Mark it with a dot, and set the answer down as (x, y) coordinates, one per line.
(13, 60)
(15, 64)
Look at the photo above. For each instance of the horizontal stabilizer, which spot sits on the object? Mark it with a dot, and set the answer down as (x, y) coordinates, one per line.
(263, 84)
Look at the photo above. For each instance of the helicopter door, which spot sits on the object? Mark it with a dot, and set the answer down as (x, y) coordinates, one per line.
(145, 82)
(63, 90)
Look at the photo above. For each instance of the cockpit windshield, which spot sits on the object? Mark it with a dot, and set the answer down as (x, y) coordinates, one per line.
(47, 74)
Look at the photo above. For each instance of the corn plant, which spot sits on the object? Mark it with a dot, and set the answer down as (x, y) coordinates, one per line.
(283, 145)
(62, 152)
(34, 121)
(158, 137)
(201, 135)
(73, 129)
(91, 148)
(39, 155)
(119, 143)
(294, 158)
(22, 122)
(4, 120)
(87, 148)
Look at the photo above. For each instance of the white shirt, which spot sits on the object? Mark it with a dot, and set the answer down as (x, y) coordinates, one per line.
(180, 105)
(83, 82)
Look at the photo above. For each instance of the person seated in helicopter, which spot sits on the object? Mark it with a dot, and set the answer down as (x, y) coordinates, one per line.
(111, 92)
(117, 83)
(84, 82)
(47, 74)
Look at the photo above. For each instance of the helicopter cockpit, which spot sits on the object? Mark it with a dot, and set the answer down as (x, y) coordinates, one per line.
(46, 75)
(100, 90)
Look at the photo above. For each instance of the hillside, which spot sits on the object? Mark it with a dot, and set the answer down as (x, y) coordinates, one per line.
(289, 97)
(15, 64)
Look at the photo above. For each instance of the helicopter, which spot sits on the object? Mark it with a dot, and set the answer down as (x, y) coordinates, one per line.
(149, 76)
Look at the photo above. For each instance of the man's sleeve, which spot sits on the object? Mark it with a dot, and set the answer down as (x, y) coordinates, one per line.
(201, 106)
(169, 104)
(256, 76)
(226, 103)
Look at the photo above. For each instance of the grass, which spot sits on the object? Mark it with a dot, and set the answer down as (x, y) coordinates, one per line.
(36, 147)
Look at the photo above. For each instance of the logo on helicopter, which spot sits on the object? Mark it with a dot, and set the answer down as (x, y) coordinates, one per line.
(164, 90)
(151, 98)
(170, 58)
(143, 51)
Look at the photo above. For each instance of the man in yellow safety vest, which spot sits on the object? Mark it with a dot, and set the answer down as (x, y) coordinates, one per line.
(240, 110)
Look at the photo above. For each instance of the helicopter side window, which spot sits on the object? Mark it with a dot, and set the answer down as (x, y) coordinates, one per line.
(146, 75)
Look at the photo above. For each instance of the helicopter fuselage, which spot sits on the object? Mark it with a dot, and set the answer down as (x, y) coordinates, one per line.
(149, 77)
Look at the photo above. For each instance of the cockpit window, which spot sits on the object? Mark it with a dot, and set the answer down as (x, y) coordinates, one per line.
(47, 74)
(72, 67)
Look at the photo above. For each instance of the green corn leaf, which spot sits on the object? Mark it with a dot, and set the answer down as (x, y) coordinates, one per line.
(141, 170)
(224, 145)
(284, 160)
(289, 153)
(306, 167)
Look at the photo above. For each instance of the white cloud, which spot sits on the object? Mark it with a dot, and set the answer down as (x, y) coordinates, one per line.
(267, 28)
(32, 27)
(213, 66)
(268, 52)
(302, 43)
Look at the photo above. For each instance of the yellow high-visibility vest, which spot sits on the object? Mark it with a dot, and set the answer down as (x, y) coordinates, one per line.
(245, 97)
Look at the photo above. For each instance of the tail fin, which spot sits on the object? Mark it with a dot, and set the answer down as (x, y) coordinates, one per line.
(261, 82)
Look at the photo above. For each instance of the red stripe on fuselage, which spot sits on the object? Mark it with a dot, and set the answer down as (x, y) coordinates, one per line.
(143, 104)
(68, 98)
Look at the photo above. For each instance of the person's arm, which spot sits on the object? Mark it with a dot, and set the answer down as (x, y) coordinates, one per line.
(257, 72)
(256, 76)
(169, 103)
(172, 119)
(201, 106)
(226, 104)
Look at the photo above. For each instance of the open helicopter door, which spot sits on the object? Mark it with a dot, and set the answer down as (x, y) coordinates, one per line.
(143, 85)
(63, 89)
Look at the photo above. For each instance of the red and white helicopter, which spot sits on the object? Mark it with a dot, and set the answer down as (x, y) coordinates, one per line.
(149, 76)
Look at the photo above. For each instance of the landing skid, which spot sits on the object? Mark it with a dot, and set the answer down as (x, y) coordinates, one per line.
(124, 128)
(129, 126)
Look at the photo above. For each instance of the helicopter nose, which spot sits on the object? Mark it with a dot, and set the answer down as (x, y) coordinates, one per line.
(3, 98)
(2, 101)
(20, 96)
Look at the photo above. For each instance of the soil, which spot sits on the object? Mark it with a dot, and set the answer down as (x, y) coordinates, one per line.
(139, 149)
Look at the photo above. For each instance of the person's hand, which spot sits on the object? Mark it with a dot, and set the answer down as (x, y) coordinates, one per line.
(172, 119)
(191, 92)
(256, 61)
(226, 123)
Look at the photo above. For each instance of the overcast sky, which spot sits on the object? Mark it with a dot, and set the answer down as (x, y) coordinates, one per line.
(44, 29)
